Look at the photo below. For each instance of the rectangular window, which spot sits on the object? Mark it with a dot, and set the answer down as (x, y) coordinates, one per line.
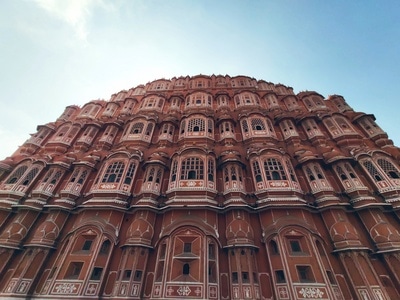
(86, 245)
(187, 247)
(295, 246)
(234, 277)
(74, 269)
(280, 276)
(305, 274)
(127, 275)
(138, 275)
(96, 274)
(331, 277)
(245, 277)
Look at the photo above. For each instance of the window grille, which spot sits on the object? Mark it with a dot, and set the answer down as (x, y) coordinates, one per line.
(149, 129)
(257, 124)
(192, 168)
(114, 172)
(137, 128)
(129, 174)
(274, 169)
(17, 175)
(245, 126)
(210, 170)
(174, 170)
(196, 125)
(257, 171)
(389, 168)
(30, 176)
(372, 170)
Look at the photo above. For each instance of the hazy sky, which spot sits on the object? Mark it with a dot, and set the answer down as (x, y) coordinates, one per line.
(54, 53)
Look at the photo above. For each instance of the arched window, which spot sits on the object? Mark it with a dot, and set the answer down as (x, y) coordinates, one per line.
(369, 126)
(259, 126)
(152, 103)
(272, 101)
(311, 128)
(90, 110)
(291, 103)
(50, 180)
(127, 109)
(274, 169)
(348, 177)
(152, 178)
(246, 99)
(16, 175)
(109, 134)
(390, 170)
(338, 126)
(139, 130)
(198, 100)
(316, 178)
(22, 178)
(277, 173)
(197, 126)
(288, 129)
(117, 175)
(192, 168)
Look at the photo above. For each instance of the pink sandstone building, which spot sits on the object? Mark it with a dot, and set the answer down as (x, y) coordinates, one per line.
(204, 187)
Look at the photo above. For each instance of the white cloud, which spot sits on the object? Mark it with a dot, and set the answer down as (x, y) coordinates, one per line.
(75, 13)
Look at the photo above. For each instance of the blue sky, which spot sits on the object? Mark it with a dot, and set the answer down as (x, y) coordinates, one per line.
(55, 53)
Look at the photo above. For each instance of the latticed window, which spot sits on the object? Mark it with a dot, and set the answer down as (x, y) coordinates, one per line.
(390, 170)
(130, 173)
(350, 170)
(210, 170)
(291, 103)
(192, 168)
(346, 172)
(343, 124)
(90, 110)
(318, 172)
(310, 174)
(175, 102)
(332, 127)
(150, 175)
(341, 173)
(222, 100)
(370, 126)
(16, 175)
(78, 176)
(288, 128)
(274, 169)
(372, 170)
(196, 125)
(210, 125)
(109, 134)
(114, 172)
(311, 128)
(272, 102)
(127, 109)
(292, 174)
(50, 180)
(257, 124)
(245, 126)
(30, 176)
(52, 176)
(226, 127)
(137, 128)
(174, 170)
(149, 129)
(257, 171)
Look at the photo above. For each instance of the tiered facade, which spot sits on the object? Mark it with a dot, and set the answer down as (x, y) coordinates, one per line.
(205, 187)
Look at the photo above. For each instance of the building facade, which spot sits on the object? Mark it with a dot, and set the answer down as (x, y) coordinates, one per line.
(204, 187)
